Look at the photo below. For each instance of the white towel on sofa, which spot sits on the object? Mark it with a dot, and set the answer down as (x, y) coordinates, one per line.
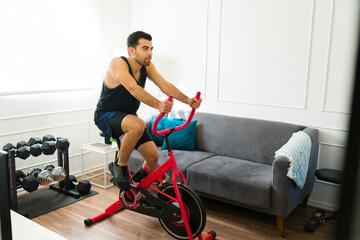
(297, 150)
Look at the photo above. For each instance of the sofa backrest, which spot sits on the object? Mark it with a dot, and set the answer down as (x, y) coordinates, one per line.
(248, 139)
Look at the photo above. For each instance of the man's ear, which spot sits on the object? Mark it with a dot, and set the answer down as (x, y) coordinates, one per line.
(131, 51)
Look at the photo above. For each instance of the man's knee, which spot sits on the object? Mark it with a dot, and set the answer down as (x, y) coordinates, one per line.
(137, 126)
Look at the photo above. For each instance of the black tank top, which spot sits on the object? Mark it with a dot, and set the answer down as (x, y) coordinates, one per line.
(119, 98)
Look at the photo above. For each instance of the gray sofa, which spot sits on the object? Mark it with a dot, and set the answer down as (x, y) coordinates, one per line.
(234, 162)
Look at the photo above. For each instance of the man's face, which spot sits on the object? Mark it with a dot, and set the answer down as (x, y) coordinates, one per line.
(143, 52)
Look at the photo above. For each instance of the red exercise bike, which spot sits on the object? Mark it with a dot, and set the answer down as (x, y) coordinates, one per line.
(179, 209)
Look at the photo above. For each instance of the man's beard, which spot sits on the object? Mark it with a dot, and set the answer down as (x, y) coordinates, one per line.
(142, 63)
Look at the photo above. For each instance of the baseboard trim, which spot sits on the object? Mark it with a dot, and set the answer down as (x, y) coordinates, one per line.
(322, 205)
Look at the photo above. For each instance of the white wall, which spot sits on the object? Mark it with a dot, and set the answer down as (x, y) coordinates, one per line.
(289, 61)
(280, 60)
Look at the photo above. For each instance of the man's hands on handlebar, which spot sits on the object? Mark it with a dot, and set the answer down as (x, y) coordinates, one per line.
(194, 102)
(165, 106)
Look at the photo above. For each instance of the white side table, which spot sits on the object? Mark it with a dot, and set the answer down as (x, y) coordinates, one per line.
(105, 152)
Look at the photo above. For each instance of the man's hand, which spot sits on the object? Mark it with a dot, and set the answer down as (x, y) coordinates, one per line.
(194, 102)
(165, 106)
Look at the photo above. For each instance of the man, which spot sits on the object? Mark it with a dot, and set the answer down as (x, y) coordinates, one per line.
(122, 92)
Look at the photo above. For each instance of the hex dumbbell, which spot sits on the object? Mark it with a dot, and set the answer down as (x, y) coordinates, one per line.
(20, 152)
(62, 144)
(29, 183)
(34, 149)
(82, 187)
(47, 144)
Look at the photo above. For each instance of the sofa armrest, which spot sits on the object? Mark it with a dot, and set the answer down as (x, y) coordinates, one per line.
(281, 187)
(310, 178)
(286, 196)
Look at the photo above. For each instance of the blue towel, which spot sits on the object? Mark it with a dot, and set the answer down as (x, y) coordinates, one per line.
(297, 150)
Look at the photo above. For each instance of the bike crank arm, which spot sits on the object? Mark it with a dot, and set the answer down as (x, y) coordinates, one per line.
(141, 201)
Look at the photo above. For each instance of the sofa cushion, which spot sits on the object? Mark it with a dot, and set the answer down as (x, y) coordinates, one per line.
(183, 139)
(251, 139)
(184, 159)
(237, 180)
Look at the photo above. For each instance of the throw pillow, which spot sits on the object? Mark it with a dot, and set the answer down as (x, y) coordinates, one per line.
(161, 126)
(183, 139)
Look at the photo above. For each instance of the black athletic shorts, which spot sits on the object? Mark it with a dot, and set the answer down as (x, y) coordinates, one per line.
(115, 123)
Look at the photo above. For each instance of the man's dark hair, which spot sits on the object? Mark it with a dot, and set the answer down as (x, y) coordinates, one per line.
(133, 39)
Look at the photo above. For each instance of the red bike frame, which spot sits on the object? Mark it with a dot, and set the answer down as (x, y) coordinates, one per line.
(158, 174)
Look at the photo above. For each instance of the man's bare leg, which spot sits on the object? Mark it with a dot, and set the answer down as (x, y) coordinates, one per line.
(133, 128)
(150, 153)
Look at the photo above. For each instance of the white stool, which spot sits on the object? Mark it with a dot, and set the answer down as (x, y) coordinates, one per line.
(105, 151)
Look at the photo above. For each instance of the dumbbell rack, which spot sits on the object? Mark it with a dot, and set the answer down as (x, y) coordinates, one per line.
(63, 187)
(5, 216)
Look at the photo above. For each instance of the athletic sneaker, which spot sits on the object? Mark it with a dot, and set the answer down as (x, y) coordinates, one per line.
(122, 178)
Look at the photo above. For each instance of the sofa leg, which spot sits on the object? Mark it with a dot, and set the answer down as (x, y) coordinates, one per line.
(280, 221)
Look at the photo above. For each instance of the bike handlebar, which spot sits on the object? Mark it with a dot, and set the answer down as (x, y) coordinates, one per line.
(177, 128)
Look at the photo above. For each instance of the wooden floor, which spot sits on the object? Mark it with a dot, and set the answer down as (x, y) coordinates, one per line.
(228, 221)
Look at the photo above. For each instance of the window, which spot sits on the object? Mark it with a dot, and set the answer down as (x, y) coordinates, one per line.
(48, 45)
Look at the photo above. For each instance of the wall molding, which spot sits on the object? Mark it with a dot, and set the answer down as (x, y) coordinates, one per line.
(306, 93)
(332, 144)
(46, 91)
(306, 80)
(260, 104)
(45, 128)
(47, 113)
(330, 128)
(335, 111)
(318, 160)
(328, 56)
(206, 50)
(219, 51)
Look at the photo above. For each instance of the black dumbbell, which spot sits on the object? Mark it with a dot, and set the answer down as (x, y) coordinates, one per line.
(82, 187)
(59, 173)
(44, 177)
(34, 149)
(29, 183)
(47, 144)
(20, 152)
(62, 144)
